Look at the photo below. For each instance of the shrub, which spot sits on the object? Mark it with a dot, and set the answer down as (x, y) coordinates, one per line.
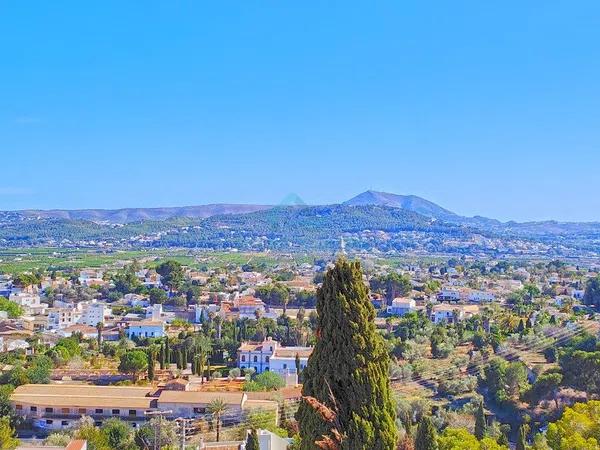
(270, 381)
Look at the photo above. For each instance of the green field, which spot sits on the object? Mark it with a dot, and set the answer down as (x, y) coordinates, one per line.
(31, 259)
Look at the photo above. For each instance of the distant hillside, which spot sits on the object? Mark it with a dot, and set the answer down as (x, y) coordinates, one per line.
(128, 215)
(308, 228)
(372, 222)
(408, 202)
(421, 206)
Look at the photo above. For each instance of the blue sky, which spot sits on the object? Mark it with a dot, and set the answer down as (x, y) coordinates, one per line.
(489, 108)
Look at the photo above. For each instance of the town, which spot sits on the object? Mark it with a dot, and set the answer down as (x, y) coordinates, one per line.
(209, 354)
(299, 225)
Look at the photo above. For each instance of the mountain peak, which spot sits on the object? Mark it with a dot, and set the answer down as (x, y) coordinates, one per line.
(407, 202)
(292, 199)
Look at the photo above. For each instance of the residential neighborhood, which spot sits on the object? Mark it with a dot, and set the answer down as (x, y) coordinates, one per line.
(241, 338)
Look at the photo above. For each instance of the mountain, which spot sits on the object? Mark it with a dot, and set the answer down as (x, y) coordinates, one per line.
(421, 206)
(128, 215)
(408, 202)
(293, 228)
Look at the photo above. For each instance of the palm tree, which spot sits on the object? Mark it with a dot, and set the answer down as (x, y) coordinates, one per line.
(203, 347)
(217, 408)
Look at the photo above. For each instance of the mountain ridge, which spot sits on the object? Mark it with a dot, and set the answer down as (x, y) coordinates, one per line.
(412, 203)
(128, 215)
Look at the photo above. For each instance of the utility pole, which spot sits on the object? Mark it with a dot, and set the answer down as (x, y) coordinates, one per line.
(158, 427)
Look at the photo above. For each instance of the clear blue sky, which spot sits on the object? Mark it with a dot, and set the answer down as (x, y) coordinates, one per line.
(488, 108)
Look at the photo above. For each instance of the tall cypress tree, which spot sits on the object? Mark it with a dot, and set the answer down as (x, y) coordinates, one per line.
(480, 423)
(184, 359)
(426, 436)
(167, 351)
(161, 356)
(150, 365)
(522, 438)
(179, 359)
(348, 369)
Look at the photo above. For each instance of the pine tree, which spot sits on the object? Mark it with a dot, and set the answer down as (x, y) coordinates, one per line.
(348, 369)
(480, 423)
(522, 438)
(426, 435)
(252, 440)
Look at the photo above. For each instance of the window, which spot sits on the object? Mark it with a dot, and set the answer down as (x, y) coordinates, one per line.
(49, 410)
(64, 423)
(33, 409)
(49, 421)
(267, 359)
(199, 410)
(99, 411)
(65, 410)
(284, 366)
(18, 407)
(82, 411)
(116, 412)
(132, 412)
(243, 358)
(255, 358)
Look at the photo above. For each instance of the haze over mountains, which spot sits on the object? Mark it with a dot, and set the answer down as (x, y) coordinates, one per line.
(371, 221)
(128, 215)
(410, 203)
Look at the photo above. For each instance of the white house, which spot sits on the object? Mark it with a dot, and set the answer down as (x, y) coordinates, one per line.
(270, 356)
(401, 306)
(136, 300)
(249, 306)
(449, 313)
(146, 328)
(451, 295)
(283, 360)
(29, 302)
(91, 277)
(481, 296)
(270, 441)
(86, 331)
